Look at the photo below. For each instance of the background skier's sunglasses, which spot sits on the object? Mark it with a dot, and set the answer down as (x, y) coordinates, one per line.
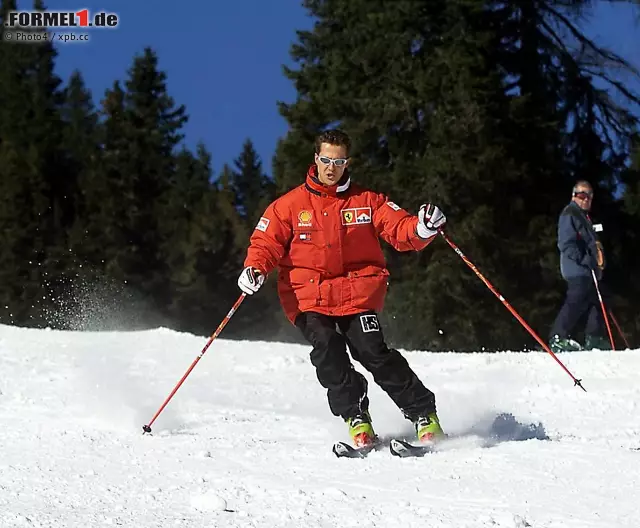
(584, 195)
(338, 162)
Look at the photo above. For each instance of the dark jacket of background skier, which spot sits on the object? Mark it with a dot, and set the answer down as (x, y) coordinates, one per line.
(580, 249)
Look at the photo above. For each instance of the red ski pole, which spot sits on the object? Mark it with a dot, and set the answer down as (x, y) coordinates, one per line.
(615, 322)
(604, 311)
(147, 428)
(510, 308)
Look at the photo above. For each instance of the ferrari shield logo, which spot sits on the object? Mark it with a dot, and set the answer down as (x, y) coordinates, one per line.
(357, 215)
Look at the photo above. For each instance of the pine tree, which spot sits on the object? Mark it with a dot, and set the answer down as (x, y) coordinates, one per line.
(199, 244)
(99, 236)
(253, 189)
(36, 209)
(80, 141)
(126, 199)
(232, 235)
(153, 127)
(623, 257)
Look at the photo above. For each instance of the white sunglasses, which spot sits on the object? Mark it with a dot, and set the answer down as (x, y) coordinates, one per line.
(338, 162)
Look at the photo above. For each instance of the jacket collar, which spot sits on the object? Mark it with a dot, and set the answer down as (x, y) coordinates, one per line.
(315, 186)
(579, 209)
(574, 206)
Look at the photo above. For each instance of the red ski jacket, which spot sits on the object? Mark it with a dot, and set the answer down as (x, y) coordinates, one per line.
(325, 243)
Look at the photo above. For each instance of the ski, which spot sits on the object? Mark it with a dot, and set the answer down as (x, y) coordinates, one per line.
(403, 449)
(344, 450)
(397, 447)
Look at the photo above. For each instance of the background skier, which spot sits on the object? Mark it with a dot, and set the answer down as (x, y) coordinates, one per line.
(580, 253)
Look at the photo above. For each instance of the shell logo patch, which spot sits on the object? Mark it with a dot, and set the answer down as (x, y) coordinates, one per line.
(356, 216)
(304, 218)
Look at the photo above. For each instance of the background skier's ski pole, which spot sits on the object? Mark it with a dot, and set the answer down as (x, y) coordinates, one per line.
(147, 428)
(615, 322)
(510, 308)
(604, 311)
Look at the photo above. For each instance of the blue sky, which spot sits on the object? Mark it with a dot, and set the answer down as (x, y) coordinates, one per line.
(225, 66)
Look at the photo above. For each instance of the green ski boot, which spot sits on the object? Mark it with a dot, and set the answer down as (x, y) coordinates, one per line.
(361, 430)
(428, 429)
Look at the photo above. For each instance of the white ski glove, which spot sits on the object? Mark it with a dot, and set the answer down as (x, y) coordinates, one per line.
(250, 280)
(430, 219)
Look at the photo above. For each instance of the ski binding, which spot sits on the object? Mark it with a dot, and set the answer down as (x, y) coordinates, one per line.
(403, 449)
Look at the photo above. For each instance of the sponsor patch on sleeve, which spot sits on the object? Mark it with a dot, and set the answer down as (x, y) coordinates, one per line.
(356, 216)
(394, 206)
(263, 223)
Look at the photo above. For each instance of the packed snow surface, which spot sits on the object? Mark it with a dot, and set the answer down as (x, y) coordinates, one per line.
(246, 441)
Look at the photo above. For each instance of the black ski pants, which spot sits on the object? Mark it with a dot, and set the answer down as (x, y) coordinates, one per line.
(582, 297)
(347, 388)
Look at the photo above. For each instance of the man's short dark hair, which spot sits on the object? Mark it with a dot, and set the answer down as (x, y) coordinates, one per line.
(333, 137)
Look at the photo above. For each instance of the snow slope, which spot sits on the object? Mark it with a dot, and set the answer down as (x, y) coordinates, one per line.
(247, 440)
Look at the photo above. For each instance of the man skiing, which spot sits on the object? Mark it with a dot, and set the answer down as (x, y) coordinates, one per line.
(580, 253)
(323, 237)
